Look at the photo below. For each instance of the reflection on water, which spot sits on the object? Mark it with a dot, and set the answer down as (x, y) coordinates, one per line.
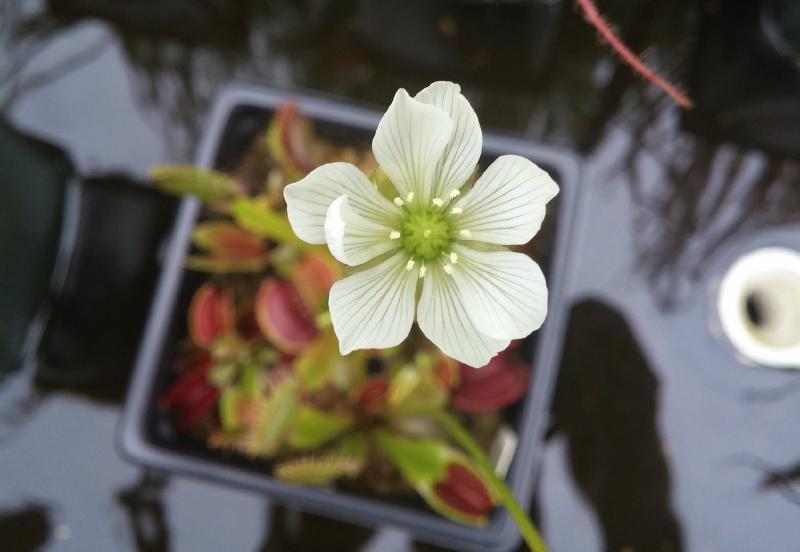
(786, 480)
(606, 404)
(92, 334)
(122, 85)
(693, 197)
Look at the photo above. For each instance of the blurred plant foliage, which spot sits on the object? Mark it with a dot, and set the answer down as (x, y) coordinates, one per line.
(260, 374)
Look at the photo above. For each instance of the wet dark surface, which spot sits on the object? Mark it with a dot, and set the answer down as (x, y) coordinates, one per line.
(661, 438)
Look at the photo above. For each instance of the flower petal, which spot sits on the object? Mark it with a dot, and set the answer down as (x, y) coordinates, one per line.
(374, 308)
(505, 293)
(307, 200)
(464, 148)
(443, 318)
(353, 239)
(409, 142)
(507, 204)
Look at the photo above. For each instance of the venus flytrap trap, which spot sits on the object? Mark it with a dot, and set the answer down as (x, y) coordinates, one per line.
(301, 352)
(226, 248)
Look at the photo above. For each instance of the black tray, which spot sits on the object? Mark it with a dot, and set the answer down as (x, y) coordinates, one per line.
(146, 437)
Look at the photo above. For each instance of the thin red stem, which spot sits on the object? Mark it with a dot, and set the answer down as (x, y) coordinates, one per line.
(597, 21)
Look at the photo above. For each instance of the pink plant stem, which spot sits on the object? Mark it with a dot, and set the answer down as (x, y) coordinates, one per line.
(597, 21)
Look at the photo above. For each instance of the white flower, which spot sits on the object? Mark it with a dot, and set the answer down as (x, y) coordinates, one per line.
(475, 298)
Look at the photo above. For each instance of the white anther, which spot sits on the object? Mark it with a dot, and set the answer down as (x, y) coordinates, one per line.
(394, 235)
(427, 233)
(448, 268)
(453, 257)
(410, 197)
(437, 202)
(465, 234)
(410, 265)
(399, 202)
(422, 271)
(454, 193)
(457, 210)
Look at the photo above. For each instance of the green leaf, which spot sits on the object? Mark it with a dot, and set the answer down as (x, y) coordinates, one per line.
(262, 221)
(311, 428)
(420, 461)
(219, 265)
(273, 420)
(222, 374)
(233, 398)
(317, 470)
(412, 391)
(354, 445)
(207, 185)
(228, 415)
(250, 382)
(316, 364)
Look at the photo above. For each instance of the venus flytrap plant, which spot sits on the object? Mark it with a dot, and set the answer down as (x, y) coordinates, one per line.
(425, 238)
(476, 296)
(291, 141)
(318, 470)
(441, 475)
(210, 187)
(226, 249)
(211, 315)
(312, 428)
(273, 418)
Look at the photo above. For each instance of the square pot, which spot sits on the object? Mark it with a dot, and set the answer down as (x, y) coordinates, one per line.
(145, 435)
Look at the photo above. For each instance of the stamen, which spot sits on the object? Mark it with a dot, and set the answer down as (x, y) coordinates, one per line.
(410, 265)
(399, 202)
(453, 257)
(410, 197)
(437, 202)
(394, 235)
(448, 268)
(422, 271)
(457, 210)
(427, 233)
(454, 193)
(465, 234)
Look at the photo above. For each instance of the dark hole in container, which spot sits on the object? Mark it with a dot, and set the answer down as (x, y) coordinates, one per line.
(755, 309)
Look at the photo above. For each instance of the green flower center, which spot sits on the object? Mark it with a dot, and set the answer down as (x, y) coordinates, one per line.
(426, 233)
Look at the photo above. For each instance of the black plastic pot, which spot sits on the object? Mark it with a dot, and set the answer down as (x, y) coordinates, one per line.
(147, 437)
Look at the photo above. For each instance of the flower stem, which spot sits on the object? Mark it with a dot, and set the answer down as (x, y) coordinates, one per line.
(499, 487)
(597, 21)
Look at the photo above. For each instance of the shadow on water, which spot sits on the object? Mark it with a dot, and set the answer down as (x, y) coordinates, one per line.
(143, 504)
(25, 529)
(605, 406)
(292, 531)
